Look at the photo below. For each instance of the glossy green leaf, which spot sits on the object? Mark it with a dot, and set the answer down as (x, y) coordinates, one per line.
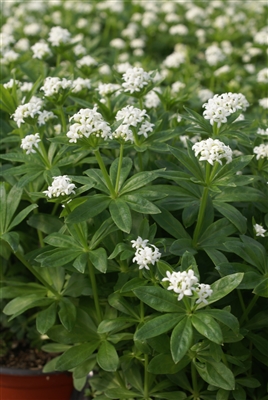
(180, 246)
(207, 326)
(120, 393)
(46, 318)
(170, 395)
(216, 374)
(224, 317)
(108, 325)
(98, 258)
(222, 287)
(139, 180)
(85, 368)
(13, 239)
(67, 313)
(107, 357)
(13, 200)
(45, 223)
(140, 204)
(170, 224)
(3, 207)
(60, 240)
(121, 214)
(158, 325)
(89, 209)
(181, 339)
(104, 230)
(80, 262)
(76, 355)
(57, 257)
(20, 304)
(262, 288)
(164, 364)
(124, 171)
(159, 299)
(232, 214)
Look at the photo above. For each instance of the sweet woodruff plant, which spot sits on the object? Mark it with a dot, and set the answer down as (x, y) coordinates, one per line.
(134, 211)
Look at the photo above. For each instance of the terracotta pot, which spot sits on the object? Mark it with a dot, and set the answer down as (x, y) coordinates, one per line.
(19, 384)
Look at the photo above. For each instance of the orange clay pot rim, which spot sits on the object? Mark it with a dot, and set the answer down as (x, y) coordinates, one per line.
(30, 372)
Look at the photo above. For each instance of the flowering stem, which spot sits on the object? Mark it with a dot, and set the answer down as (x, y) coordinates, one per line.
(146, 377)
(141, 103)
(37, 275)
(105, 173)
(62, 118)
(201, 214)
(248, 309)
(194, 381)
(95, 291)
(215, 129)
(119, 168)
(58, 60)
(41, 150)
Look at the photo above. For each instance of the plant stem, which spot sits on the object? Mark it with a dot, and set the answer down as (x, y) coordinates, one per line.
(105, 173)
(248, 309)
(62, 118)
(146, 377)
(201, 214)
(36, 274)
(194, 381)
(119, 168)
(58, 60)
(141, 103)
(95, 290)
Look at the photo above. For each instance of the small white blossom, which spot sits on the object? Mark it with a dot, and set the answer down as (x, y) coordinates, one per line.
(88, 122)
(26, 86)
(222, 70)
(58, 36)
(145, 255)
(259, 230)
(106, 89)
(204, 94)
(27, 110)
(9, 57)
(182, 283)
(214, 55)
(179, 29)
(212, 150)
(177, 86)
(53, 85)
(11, 83)
(261, 151)
(263, 132)
(40, 50)
(135, 79)
(32, 29)
(203, 291)
(86, 61)
(118, 43)
(61, 186)
(151, 100)
(139, 242)
(264, 103)
(262, 76)
(174, 60)
(45, 116)
(79, 84)
(29, 142)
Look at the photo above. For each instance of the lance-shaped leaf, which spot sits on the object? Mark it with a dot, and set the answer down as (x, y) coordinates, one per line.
(181, 339)
(139, 180)
(22, 303)
(107, 357)
(57, 257)
(98, 258)
(60, 240)
(124, 171)
(140, 204)
(216, 374)
(67, 313)
(121, 214)
(207, 326)
(224, 317)
(159, 299)
(89, 209)
(232, 214)
(158, 325)
(46, 318)
(76, 356)
(13, 239)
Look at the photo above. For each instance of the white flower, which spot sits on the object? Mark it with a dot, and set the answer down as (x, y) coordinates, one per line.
(53, 85)
(57, 129)
(122, 67)
(151, 100)
(262, 76)
(261, 37)
(259, 230)
(80, 84)
(135, 79)
(9, 57)
(203, 291)
(32, 29)
(137, 43)
(79, 49)
(58, 36)
(88, 122)
(105, 89)
(177, 86)
(11, 83)
(118, 43)
(26, 86)
(40, 50)
(45, 116)
(214, 55)
(22, 44)
(222, 70)
(146, 255)
(204, 94)
(261, 151)
(139, 242)
(263, 132)
(105, 69)
(86, 61)
(61, 186)
(264, 103)
(174, 60)
(212, 150)
(29, 142)
(27, 110)
(179, 29)
(182, 283)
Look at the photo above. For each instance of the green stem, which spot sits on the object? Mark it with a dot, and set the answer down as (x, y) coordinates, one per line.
(215, 129)
(194, 381)
(146, 377)
(248, 309)
(105, 173)
(241, 301)
(95, 290)
(201, 214)
(42, 151)
(58, 60)
(78, 230)
(119, 168)
(37, 275)
(141, 103)
(62, 118)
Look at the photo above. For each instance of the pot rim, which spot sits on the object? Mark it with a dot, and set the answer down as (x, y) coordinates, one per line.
(29, 372)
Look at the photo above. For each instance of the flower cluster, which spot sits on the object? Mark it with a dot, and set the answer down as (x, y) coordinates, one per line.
(27, 110)
(146, 253)
(135, 79)
(29, 142)
(212, 150)
(261, 151)
(219, 107)
(87, 122)
(259, 230)
(61, 186)
(53, 85)
(58, 36)
(132, 117)
(186, 284)
(79, 84)
(40, 50)
(106, 89)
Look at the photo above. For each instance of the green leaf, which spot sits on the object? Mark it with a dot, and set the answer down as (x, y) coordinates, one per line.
(107, 357)
(262, 288)
(181, 339)
(89, 209)
(108, 325)
(22, 303)
(120, 393)
(170, 224)
(60, 240)
(224, 317)
(248, 194)
(75, 356)
(3, 207)
(124, 171)
(80, 262)
(140, 204)
(159, 299)
(158, 325)
(46, 318)
(85, 368)
(13, 200)
(104, 230)
(180, 246)
(133, 284)
(222, 287)
(216, 374)
(13, 239)
(45, 223)
(171, 395)
(21, 215)
(216, 233)
(121, 214)
(98, 258)
(139, 180)
(189, 161)
(232, 214)
(50, 365)
(67, 313)
(164, 364)
(207, 326)
(57, 257)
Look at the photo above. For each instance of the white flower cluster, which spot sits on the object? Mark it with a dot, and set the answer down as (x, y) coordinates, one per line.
(11, 83)
(106, 89)
(53, 85)
(212, 150)
(259, 230)
(27, 110)
(58, 36)
(132, 117)
(219, 107)
(263, 132)
(61, 186)
(186, 284)
(151, 100)
(214, 55)
(261, 151)
(174, 60)
(80, 84)
(86, 61)
(45, 116)
(40, 50)
(29, 142)
(264, 103)
(135, 79)
(262, 76)
(146, 253)
(87, 122)
(9, 57)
